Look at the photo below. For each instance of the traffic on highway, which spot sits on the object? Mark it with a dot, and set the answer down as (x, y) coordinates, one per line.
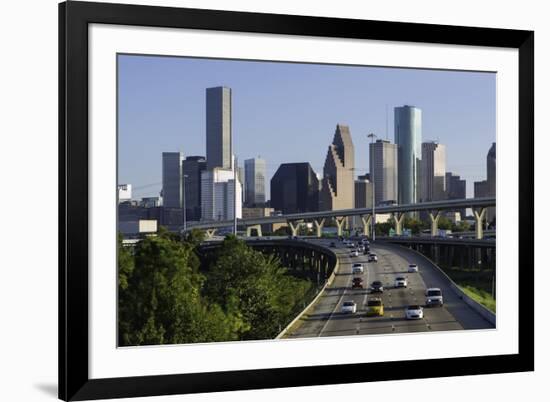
(383, 289)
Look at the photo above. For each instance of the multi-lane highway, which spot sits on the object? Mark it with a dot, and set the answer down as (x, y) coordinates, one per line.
(325, 318)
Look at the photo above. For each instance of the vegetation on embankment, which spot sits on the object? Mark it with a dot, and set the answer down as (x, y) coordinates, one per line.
(167, 297)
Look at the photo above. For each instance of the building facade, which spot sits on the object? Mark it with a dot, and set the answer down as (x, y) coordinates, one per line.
(383, 170)
(218, 128)
(363, 192)
(172, 180)
(337, 185)
(456, 189)
(221, 195)
(124, 192)
(408, 137)
(491, 179)
(295, 188)
(433, 169)
(193, 166)
(254, 172)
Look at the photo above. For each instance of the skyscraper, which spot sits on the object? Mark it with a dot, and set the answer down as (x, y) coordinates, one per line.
(383, 170)
(363, 192)
(432, 171)
(218, 128)
(455, 188)
(193, 166)
(408, 137)
(337, 186)
(491, 179)
(295, 188)
(254, 172)
(221, 196)
(172, 183)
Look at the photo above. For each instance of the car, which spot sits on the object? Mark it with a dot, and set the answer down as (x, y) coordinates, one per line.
(332, 244)
(400, 282)
(373, 257)
(350, 245)
(376, 287)
(357, 268)
(375, 307)
(360, 248)
(357, 283)
(414, 312)
(367, 251)
(349, 307)
(354, 253)
(412, 268)
(434, 297)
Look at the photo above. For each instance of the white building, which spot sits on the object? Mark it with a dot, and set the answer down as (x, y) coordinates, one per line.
(124, 192)
(433, 170)
(218, 195)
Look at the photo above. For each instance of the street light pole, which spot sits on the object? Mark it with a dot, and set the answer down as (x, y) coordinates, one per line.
(372, 136)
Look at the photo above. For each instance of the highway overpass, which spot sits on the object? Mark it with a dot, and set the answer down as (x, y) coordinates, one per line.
(294, 221)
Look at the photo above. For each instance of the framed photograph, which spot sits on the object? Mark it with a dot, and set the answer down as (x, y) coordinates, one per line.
(259, 201)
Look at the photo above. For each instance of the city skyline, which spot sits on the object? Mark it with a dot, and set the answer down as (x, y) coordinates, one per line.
(144, 172)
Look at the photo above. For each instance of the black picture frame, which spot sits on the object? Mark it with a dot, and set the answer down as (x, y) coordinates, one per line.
(74, 18)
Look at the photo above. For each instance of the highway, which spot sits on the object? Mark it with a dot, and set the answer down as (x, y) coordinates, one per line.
(324, 318)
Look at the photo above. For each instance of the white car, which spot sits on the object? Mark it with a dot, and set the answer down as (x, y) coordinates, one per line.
(400, 282)
(434, 297)
(413, 268)
(373, 257)
(357, 268)
(349, 306)
(414, 312)
(354, 253)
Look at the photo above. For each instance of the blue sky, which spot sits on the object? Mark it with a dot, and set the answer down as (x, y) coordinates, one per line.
(287, 112)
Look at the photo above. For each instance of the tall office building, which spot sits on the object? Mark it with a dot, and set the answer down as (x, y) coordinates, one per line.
(295, 188)
(337, 186)
(408, 137)
(193, 166)
(491, 179)
(363, 192)
(481, 189)
(221, 196)
(455, 188)
(254, 172)
(172, 183)
(432, 172)
(218, 128)
(383, 170)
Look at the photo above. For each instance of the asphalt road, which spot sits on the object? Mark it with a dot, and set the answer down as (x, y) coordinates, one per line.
(326, 319)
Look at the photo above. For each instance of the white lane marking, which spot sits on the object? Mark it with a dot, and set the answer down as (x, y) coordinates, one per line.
(338, 302)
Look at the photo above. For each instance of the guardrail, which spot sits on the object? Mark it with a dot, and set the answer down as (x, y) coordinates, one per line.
(479, 308)
(315, 299)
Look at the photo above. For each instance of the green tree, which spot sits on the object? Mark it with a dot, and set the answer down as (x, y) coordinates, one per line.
(162, 301)
(256, 286)
(444, 223)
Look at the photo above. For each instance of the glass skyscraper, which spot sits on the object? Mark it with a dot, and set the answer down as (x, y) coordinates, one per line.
(408, 137)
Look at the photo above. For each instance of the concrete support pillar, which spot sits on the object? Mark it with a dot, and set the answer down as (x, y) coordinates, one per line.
(319, 226)
(398, 219)
(434, 219)
(367, 221)
(340, 221)
(210, 233)
(258, 229)
(480, 216)
(294, 227)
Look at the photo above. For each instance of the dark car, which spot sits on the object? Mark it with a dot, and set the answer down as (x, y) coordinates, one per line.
(377, 287)
(357, 283)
